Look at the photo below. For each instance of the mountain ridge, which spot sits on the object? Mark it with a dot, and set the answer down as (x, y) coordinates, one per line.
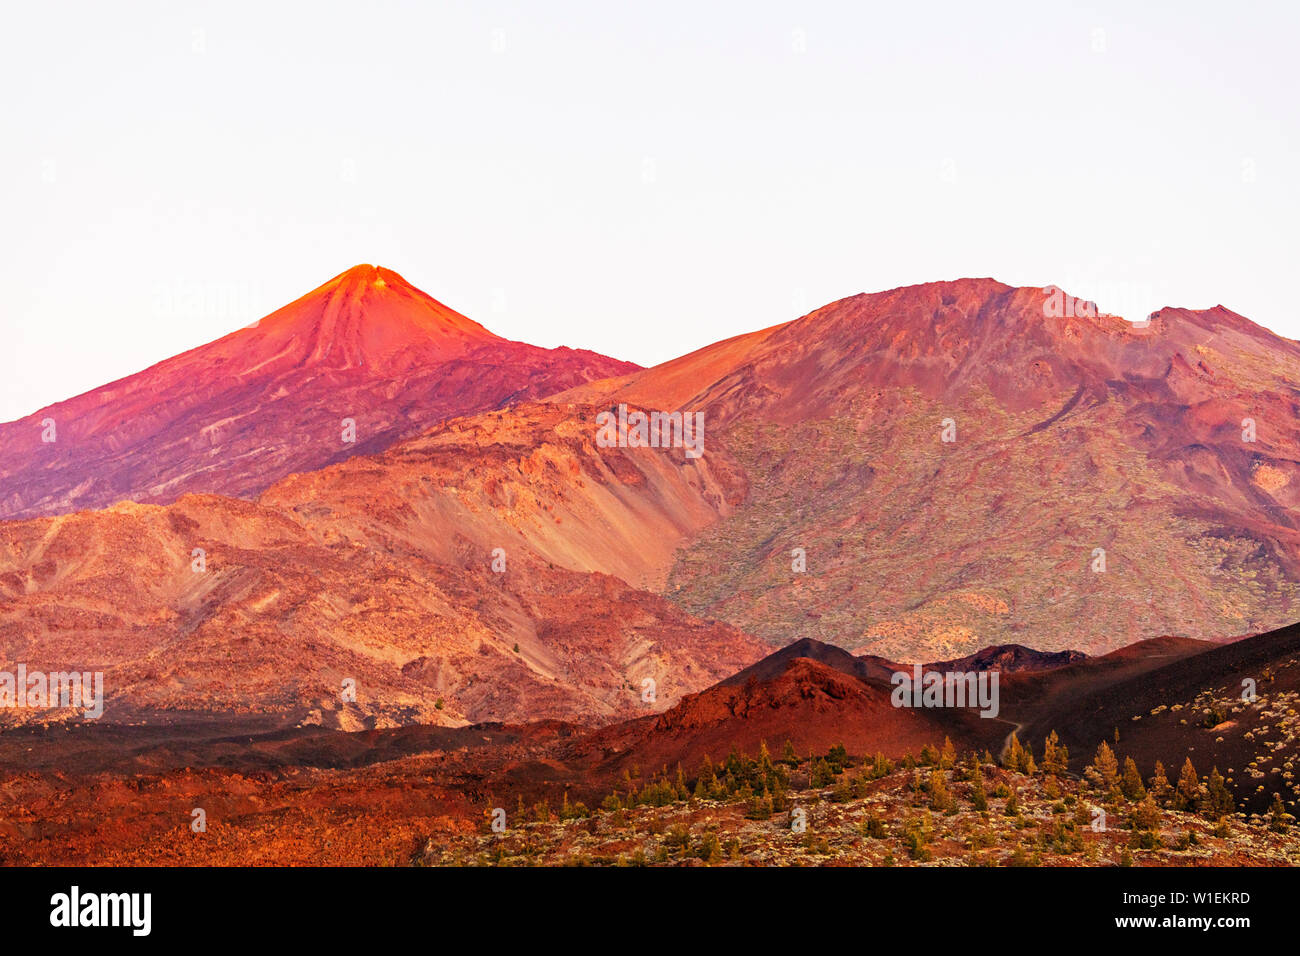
(1096, 475)
(234, 415)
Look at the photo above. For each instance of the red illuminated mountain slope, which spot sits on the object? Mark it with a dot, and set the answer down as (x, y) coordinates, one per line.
(239, 413)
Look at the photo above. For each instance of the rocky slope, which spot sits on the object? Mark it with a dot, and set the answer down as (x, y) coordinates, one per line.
(439, 605)
(233, 416)
(1099, 492)
(1134, 481)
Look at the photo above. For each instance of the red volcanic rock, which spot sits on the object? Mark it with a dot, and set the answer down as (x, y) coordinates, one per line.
(379, 571)
(1174, 448)
(815, 702)
(1076, 434)
(1009, 659)
(239, 413)
(529, 479)
(1027, 346)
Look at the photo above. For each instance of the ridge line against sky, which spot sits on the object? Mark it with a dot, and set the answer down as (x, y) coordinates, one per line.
(639, 182)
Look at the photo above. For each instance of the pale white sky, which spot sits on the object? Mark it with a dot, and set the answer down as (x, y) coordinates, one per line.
(636, 179)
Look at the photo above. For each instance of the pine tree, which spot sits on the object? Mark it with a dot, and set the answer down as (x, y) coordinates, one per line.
(874, 827)
(1160, 788)
(1146, 816)
(1013, 755)
(789, 755)
(1019, 857)
(843, 791)
(1189, 787)
(822, 774)
(706, 783)
(838, 757)
(940, 796)
(780, 802)
(1131, 784)
(948, 756)
(709, 850)
(1056, 756)
(1013, 803)
(735, 764)
(1279, 820)
(760, 806)
(1027, 764)
(918, 784)
(1218, 801)
(1103, 772)
(880, 767)
(765, 765)
(1082, 814)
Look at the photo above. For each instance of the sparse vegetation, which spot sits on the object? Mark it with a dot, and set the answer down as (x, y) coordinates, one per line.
(931, 807)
